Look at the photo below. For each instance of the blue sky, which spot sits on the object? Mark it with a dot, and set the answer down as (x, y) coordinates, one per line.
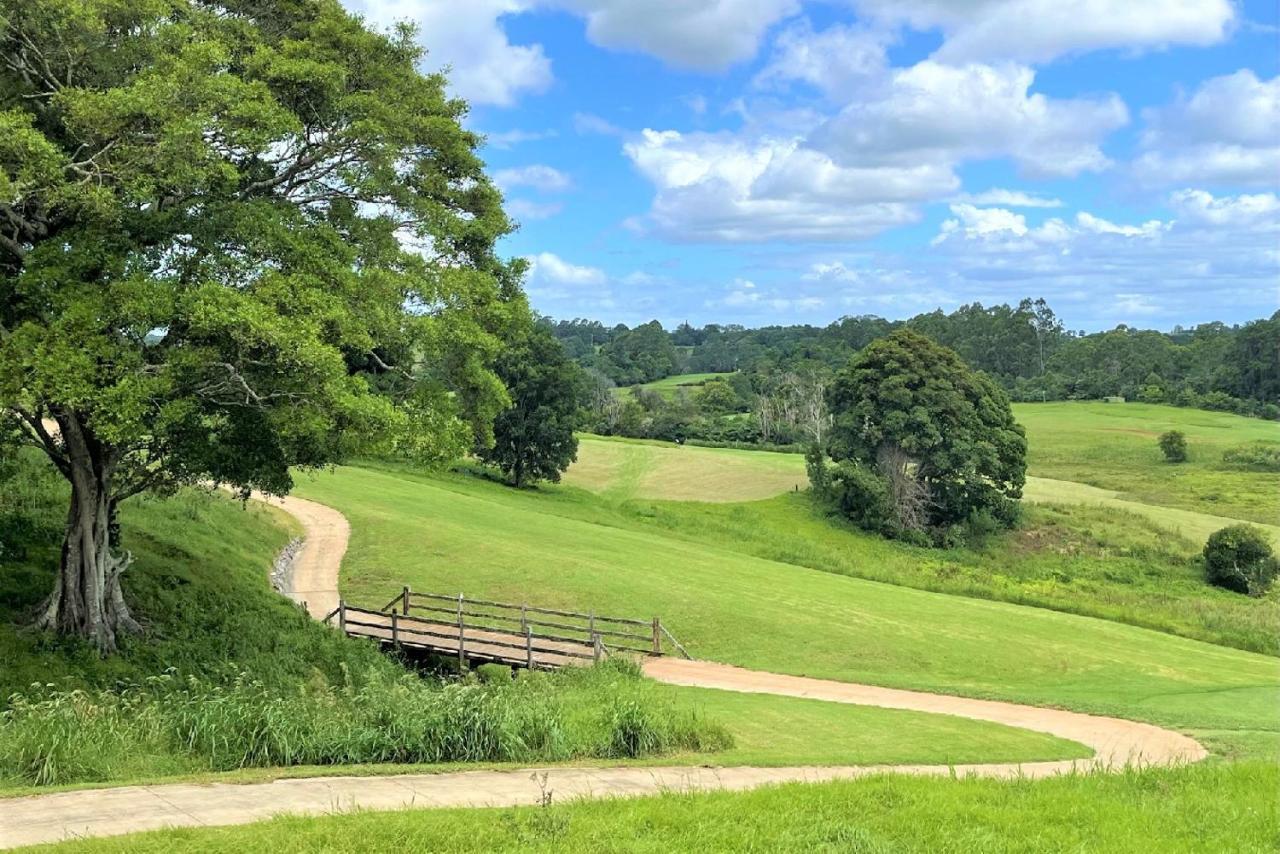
(780, 161)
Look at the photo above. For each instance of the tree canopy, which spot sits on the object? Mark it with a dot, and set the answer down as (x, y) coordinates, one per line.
(235, 237)
(533, 438)
(939, 436)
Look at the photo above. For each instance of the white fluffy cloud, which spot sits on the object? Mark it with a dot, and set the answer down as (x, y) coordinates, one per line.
(524, 210)
(720, 187)
(936, 111)
(547, 268)
(1216, 249)
(486, 67)
(837, 60)
(1041, 30)
(709, 35)
(1226, 131)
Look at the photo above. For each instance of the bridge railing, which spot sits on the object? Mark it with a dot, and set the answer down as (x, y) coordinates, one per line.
(647, 637)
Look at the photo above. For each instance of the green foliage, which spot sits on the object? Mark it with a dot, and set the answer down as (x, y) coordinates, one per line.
(1173, 444)
(1254, 456)
(717, 397)
(1239, 558)
(209, 263)
(533, 438)
(940, 436)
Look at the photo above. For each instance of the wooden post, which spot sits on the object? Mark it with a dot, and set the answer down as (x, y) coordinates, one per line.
(596, 649)
(342, 616)
(462, 640)
(395, 631)
(404, 597)
(462, 649)
(657, 637)
(591, 622)
(524, 618)
(528, 647)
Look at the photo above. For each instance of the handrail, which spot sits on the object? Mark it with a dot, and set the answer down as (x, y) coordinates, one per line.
(451, 630)
(533, 609)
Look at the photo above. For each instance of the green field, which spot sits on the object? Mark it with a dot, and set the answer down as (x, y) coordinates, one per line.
(668, 387)
(1204, 808)
(1113, 446)
(624, 468)
(564, 549)
(200, 582)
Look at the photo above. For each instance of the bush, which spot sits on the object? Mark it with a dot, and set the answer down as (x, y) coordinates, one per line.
(862, 495)
(1239, 558)
(1174, 445)
(1255, 456)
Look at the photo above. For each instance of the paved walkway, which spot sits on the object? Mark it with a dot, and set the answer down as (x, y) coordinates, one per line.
(104, 812)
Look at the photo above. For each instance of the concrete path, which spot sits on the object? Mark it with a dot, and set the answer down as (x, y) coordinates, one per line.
(105, 812)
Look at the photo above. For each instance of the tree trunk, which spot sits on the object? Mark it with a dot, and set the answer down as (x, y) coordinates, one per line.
(87, 600)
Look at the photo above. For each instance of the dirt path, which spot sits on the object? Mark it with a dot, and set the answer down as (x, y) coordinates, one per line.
(107, 812)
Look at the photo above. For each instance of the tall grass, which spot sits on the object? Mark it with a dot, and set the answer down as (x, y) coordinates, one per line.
(185, 724)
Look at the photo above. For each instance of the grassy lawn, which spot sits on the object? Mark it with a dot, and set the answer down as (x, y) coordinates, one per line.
(1215, 809)
(1113, 446)
(200, 582)
(564, 548)
(623, 469)
(668, 386)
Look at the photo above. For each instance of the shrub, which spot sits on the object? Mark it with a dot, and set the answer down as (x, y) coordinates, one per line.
(1174, 445)
(1255, 456)
(1239, 558)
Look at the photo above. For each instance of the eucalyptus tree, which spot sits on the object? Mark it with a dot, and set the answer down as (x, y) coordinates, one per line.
(236, 236)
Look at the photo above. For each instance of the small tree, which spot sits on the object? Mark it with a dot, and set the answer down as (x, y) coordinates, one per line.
(1240, 558)
(533, 439)
(1174, 445)
(717, 397)
(940, 436)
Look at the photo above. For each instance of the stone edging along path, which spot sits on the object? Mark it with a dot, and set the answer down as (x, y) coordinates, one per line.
(106, 812)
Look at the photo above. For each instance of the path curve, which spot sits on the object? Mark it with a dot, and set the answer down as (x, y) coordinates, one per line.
(37, 819)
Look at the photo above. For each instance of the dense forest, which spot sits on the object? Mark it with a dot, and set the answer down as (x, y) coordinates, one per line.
(773, 374)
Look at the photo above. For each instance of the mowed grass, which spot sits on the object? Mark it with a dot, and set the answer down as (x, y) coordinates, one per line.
(668, 387)
(1220, 809)
(566, 549)
(782, 731)
(1114, 446)
(621, 469)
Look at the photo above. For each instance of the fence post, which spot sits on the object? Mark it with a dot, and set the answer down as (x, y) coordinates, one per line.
(342, 616)
(657, 637)
(595, 647)
(591, 622)
(404, 597)
(528, 647)
(462, 639)
(524, 618)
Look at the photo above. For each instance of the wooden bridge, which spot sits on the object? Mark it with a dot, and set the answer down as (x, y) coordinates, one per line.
(480, 631)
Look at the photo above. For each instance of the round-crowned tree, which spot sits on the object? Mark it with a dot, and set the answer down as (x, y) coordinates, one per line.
(234, 238)
(533, 438)
(940, 435)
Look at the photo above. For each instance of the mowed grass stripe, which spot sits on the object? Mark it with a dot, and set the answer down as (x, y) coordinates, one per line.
(452, 534)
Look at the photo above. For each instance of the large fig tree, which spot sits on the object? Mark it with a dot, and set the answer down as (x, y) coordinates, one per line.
(236, 236)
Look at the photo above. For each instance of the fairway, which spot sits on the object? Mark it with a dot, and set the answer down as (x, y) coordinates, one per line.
(669, 386)
(456, 534)
(1113, 446)
(620, 468)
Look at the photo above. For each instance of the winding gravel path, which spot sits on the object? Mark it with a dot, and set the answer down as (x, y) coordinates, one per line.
(105, 812)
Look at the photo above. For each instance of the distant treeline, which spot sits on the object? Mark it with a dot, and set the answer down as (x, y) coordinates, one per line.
(1025, 348)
